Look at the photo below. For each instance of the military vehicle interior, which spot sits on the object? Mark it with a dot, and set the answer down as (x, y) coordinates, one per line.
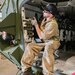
(25, 32)
(66, 20)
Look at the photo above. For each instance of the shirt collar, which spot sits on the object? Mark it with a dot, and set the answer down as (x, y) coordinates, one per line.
(50, 20)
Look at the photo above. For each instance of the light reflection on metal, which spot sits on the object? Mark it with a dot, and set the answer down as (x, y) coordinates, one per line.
(0, 16)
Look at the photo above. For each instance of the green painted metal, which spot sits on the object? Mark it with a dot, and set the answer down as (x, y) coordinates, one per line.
(18, 26)
(14, 54)
(9, 24)
(12, 24)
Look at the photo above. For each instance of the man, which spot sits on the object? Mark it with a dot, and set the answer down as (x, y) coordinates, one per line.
(49, 34)
(3, 34)
(6, 38)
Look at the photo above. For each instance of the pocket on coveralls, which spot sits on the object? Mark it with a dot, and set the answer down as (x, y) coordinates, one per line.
(56, 44)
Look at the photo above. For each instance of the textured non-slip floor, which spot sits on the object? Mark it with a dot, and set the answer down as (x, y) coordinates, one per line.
(65, 64)
(7, 67)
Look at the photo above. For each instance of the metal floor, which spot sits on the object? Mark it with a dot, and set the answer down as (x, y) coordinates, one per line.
(7, 67)
(65, 64)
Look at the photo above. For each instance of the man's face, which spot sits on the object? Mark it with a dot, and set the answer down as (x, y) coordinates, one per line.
(47, 14)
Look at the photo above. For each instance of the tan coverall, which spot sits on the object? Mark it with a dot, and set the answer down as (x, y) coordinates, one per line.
(50, 35)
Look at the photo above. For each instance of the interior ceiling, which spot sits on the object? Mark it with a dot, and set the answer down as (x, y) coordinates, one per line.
(58, 2)
(55, 0)
(63, 5)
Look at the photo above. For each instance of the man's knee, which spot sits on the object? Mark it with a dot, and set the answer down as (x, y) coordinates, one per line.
(30, 45)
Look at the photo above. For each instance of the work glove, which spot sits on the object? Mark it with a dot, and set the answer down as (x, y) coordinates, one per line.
(34, 21)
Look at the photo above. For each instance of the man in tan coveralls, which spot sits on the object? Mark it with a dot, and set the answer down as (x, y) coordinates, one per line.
(49, 33)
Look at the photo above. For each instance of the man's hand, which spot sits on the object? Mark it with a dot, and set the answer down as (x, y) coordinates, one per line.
(34, 22)
(0, 33)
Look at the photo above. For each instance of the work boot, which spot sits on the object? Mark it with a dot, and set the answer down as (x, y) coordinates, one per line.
(28, 72)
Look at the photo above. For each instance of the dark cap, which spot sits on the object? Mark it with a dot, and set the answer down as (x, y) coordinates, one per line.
(51, 8)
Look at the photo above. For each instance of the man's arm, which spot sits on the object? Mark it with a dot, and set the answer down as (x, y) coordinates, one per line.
(38, 30)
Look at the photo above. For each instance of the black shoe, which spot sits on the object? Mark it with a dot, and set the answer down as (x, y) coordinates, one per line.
(62, 74)
(59, 72)
(28, 72)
